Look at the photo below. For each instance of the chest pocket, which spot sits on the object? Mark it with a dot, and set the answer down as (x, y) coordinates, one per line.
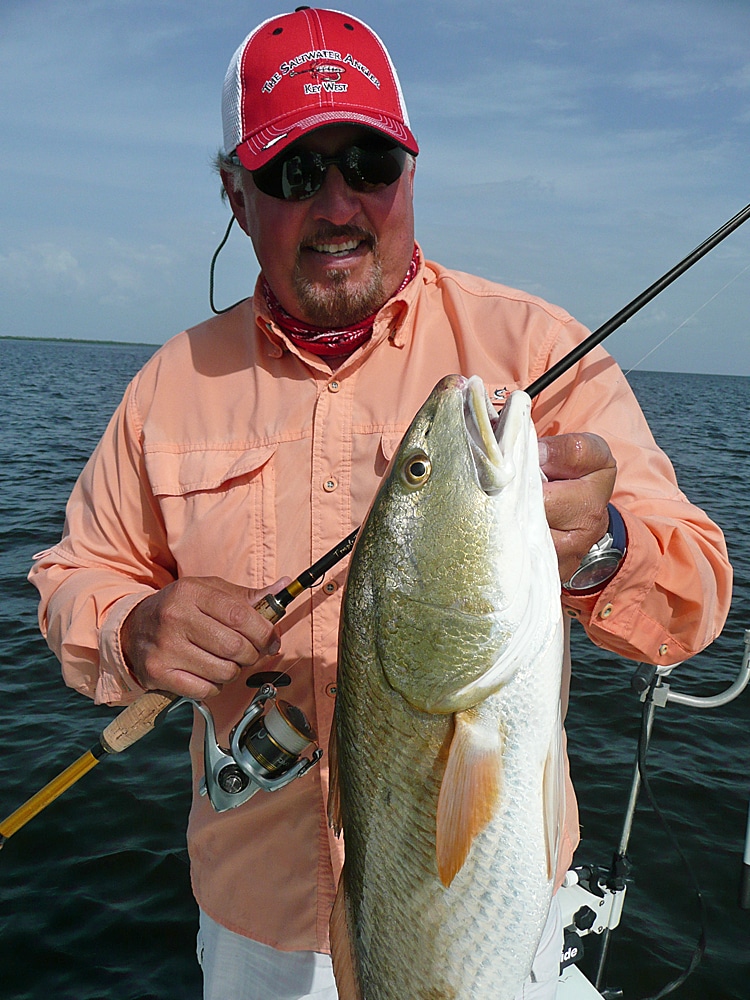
(218, 506)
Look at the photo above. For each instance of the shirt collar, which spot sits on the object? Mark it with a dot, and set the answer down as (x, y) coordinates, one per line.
(390, 319)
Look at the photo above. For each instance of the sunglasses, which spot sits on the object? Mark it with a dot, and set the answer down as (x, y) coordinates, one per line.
(299, 175)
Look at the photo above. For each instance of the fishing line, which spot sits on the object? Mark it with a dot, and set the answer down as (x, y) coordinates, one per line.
(637, 303)
(687, 320)
(700, 947)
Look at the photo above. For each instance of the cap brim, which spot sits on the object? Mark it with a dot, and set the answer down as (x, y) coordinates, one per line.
(258, 150)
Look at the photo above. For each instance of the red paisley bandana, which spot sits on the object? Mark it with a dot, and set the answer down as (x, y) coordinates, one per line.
(328, 343)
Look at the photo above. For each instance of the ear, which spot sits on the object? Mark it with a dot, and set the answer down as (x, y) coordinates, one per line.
(236, 196)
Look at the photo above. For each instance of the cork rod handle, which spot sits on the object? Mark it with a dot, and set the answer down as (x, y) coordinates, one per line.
(135, 721)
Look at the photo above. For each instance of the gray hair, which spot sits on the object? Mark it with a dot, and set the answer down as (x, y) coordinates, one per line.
(230, 165)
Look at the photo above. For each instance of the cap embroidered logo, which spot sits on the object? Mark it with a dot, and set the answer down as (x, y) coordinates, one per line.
(304, 70)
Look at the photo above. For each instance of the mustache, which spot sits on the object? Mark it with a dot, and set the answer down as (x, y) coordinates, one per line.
(329, 234)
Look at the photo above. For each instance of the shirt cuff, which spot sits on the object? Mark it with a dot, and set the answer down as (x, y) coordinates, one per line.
(629, 585)
(614, 617)
(116, 683)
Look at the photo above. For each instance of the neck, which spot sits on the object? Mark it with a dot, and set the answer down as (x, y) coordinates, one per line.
(332, 343)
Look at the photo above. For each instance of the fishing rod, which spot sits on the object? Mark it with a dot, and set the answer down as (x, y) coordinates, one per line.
(637, 303)
(138, 719)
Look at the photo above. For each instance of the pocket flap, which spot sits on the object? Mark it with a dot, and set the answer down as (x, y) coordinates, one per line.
(389, 442)
(175, 474)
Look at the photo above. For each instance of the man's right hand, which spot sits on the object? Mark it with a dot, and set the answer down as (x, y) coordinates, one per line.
(195, 636)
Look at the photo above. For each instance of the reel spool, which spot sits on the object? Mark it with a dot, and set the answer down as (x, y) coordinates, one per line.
(265, 752)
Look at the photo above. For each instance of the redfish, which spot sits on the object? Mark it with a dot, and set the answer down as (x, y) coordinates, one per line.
(447, 741)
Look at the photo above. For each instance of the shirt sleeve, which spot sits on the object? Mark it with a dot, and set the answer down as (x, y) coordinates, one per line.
(671, 594)
(113, 554)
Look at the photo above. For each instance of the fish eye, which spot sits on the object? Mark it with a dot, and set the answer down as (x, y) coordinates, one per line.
(416, 469)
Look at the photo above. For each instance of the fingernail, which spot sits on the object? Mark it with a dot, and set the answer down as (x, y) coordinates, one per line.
(274, 647)
(543, 452)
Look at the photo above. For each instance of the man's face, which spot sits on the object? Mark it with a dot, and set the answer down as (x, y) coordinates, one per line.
(338, 256)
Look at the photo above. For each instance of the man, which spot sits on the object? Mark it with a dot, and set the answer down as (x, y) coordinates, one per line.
(253, 443)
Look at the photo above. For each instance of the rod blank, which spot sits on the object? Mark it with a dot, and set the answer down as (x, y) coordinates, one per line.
(637, 303)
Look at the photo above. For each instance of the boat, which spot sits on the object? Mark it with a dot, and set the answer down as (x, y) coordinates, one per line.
(592, 897)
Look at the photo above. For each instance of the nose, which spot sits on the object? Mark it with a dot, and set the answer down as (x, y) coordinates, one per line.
(336, 202)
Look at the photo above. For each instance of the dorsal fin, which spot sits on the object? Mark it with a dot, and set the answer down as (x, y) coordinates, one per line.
(470, 790)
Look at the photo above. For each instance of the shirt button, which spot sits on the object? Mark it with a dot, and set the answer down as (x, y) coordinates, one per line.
(330, 485)
(330, 587)
(606, 611)
(663, 649)
(331, 690)
(334, 386)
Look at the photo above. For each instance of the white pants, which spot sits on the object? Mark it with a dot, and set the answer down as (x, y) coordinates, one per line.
(236, 968)
(545, 972)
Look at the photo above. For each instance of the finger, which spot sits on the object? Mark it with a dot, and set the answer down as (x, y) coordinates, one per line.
(573, 456)
(189, 685)
(218, 648)
(579, 505)
(196, 661)
(233, 645)
(581, 473)
(234, 607)
(194, 627)
(198, 650)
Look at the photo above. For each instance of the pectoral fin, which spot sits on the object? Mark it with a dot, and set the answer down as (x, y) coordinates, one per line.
(470, 790)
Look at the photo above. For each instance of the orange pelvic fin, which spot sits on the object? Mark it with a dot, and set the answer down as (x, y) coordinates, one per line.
(470, 790)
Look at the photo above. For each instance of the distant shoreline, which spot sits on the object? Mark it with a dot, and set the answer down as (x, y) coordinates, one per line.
(80, 340)
(140, 343)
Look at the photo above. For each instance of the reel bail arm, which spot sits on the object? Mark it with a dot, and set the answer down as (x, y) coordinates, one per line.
(265, 751)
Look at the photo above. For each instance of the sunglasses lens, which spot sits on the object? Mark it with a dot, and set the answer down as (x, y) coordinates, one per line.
(365, 169)
(300, 175)
(291, 178)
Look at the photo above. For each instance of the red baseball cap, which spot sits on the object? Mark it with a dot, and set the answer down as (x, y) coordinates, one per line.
(298, 72)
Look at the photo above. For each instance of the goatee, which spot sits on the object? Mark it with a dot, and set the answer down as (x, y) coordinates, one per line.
(342, 300)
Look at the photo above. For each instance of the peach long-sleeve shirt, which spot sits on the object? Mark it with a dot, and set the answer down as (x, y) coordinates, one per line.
(236, 455)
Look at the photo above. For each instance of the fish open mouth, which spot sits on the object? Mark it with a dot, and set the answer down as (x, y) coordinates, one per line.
(491, 436)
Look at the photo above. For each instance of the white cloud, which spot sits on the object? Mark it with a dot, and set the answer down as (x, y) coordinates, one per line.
(112, 273)
(576, 149)
(42, 267)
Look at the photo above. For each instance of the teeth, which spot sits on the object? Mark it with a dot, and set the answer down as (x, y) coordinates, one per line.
(335, 247)
(489, 448)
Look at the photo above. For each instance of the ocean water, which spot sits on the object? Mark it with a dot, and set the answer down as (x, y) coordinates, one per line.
(95, 901)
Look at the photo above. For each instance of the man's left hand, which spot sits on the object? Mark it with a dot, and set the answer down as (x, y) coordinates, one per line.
(581, 473)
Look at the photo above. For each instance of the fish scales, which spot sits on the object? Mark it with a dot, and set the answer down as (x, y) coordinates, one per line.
(450, 651)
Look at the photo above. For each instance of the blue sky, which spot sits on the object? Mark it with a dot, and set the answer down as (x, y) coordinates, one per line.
(575, 149)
